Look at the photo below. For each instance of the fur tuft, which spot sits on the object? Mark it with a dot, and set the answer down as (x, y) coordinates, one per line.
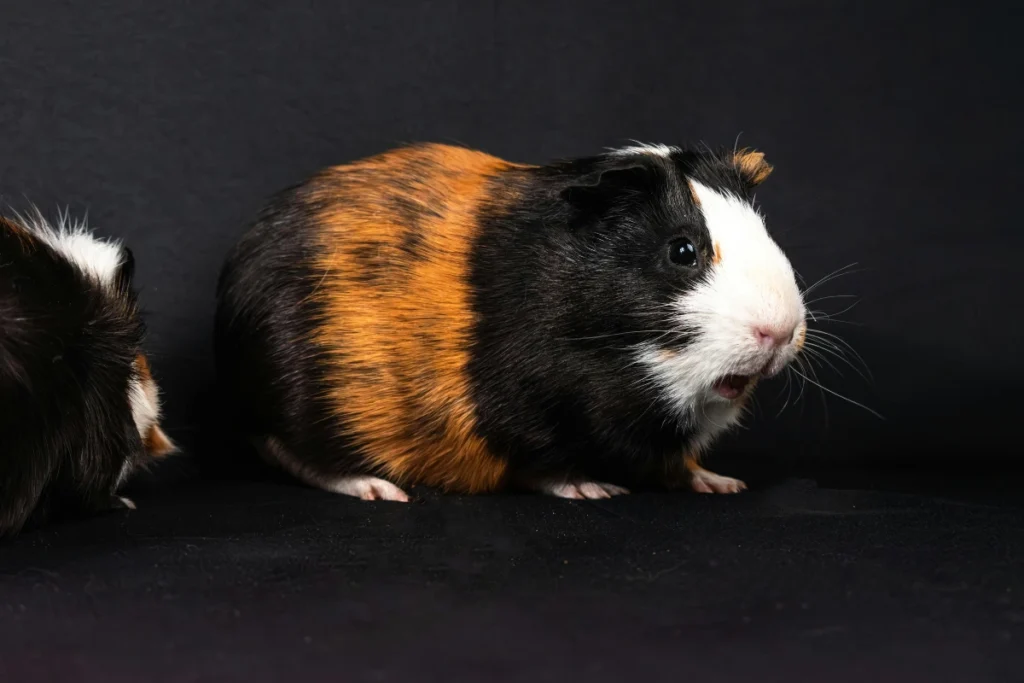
(70, 337)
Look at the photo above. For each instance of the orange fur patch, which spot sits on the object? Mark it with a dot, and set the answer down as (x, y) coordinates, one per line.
(801, 338)
(142, 367)
(157, 444)
(692, 462)
(717, 258)
(397, 231)
(752, 165)
(155, 441)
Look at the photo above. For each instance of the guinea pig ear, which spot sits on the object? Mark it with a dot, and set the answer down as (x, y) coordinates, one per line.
(125, 270)
(595, 193)
(751, 166)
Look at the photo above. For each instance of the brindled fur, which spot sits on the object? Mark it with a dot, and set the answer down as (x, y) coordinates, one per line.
(435, 315)
(79, 409)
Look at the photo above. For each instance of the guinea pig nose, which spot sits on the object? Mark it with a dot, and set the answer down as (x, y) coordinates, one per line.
(770, 336)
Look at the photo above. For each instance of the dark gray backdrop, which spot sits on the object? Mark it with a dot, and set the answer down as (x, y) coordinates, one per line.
(895, 132)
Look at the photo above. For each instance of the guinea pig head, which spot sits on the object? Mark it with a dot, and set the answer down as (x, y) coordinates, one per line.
(705, 298)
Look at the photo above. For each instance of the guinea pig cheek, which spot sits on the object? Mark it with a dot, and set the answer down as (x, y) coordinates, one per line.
(749, 330)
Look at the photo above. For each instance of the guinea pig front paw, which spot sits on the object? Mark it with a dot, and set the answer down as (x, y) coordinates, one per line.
(704, 481)
(580, 490)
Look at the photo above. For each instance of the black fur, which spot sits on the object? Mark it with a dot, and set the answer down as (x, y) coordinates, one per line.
(564, 282)
(66, 357)
(269, 372)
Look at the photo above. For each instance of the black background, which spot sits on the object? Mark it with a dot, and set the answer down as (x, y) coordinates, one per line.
(896, 138)
(895, 133)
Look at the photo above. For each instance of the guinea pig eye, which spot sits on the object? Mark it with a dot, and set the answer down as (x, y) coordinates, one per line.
(682, 253)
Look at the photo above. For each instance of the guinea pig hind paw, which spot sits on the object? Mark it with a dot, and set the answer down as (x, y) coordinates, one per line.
(581, 490)
(703, 481)
(368, 488)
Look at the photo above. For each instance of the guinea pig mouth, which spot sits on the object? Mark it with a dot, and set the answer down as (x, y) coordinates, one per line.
(731, 386)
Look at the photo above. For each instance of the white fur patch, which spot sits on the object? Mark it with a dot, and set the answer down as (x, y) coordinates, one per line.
(96, 258)
(686, 379)
(145, 404)
(643, 148)
(144, 399)
(751, 286)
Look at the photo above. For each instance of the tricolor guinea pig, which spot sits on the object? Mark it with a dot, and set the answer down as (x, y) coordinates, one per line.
(438, 316)
(79, 410)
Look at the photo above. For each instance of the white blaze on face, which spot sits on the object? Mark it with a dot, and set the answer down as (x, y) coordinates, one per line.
(747, 315)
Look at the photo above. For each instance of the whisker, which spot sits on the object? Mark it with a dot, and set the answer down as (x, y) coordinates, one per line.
(704, 411)
(834, 340)
(845, 310)
(817, 354)
(789, 391)
(822, 316)
(838, 395)
(839, 272)
(836, 353)
(618, 334)
(640, 417)
(803, 384)
(830, 296)
(824, 403)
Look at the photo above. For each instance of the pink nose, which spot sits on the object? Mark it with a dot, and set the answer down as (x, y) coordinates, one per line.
(769, 336)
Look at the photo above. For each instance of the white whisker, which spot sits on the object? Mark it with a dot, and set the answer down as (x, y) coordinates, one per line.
(821, 351)
(830, 296)
(838, 395)
(789, 391)
(831, 276)
(838, 344)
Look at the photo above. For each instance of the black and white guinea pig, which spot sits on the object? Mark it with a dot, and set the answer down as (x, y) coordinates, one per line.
(79, 410)
(438, 316)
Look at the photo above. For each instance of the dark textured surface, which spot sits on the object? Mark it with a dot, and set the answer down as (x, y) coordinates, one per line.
(895, 132)
(259, 581)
